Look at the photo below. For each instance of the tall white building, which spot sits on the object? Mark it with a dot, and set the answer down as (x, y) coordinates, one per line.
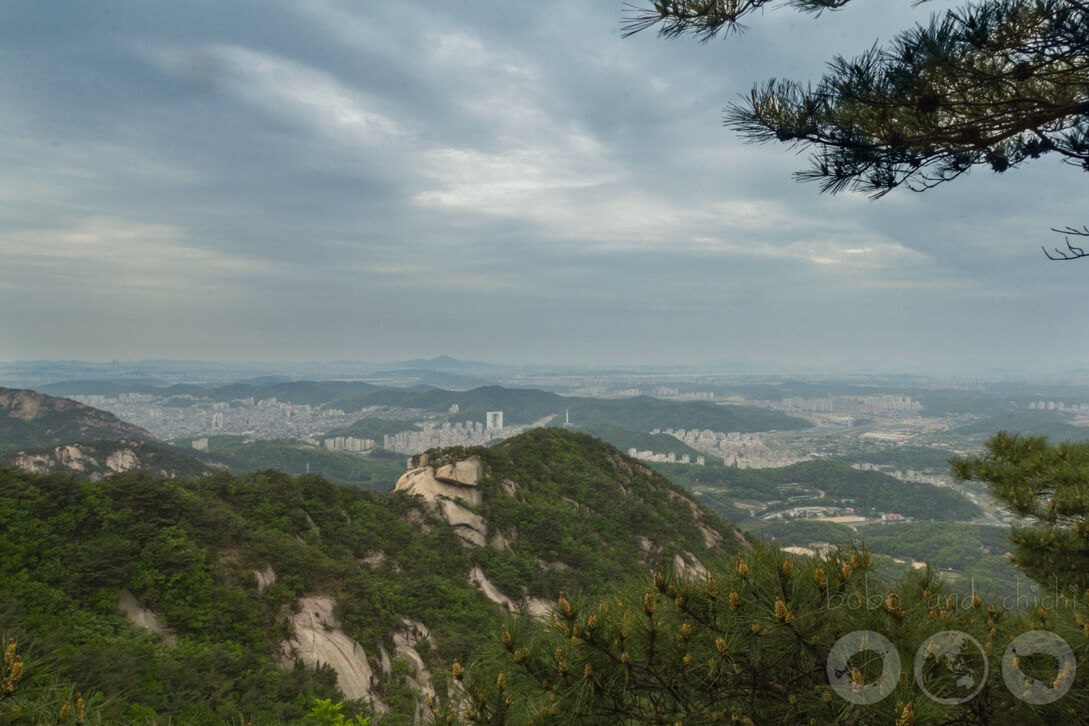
(493, 420)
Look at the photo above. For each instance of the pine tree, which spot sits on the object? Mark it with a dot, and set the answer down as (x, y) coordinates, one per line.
(994, 84)
(1047, 485)
(753, 644)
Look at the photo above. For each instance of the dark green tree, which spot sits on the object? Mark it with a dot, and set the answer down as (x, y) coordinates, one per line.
(1048, 486)
(994, 84)
(753, 643)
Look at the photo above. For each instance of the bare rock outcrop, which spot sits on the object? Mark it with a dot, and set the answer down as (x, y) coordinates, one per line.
(532, 605)
(424, 483)
(689, 567)
(141, 617)
(318, 639)
(122, 460)
(482, 583)
(467, 472)
(449, 491)
(469, 526)
(405, 639)
(264, 578)
(509, 487)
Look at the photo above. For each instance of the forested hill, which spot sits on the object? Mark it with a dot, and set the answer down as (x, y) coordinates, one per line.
(235, 587)
(28, 418)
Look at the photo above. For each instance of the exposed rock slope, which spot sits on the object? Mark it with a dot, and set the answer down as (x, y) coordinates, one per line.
(96, 459)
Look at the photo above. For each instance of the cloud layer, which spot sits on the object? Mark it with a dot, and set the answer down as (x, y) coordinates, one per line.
(335, 180)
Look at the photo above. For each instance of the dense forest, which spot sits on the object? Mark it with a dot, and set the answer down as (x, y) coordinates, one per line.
(223, 562)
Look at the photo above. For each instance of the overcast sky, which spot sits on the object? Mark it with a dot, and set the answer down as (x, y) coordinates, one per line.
(492, 180)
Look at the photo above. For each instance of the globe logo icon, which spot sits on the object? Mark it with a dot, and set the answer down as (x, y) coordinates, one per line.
(845, 676)
(951, 667)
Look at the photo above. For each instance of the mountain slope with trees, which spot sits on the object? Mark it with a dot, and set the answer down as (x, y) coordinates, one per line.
(28, 418)
(219, 571)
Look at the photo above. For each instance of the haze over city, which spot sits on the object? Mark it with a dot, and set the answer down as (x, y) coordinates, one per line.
(494, 181)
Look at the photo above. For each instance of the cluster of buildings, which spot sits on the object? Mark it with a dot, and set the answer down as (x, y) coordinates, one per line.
(463, 433)
(349, 443)
(670, 458)
(807, 405)
(908, 475)
(167, 417)
(890, 402)
(745, 451)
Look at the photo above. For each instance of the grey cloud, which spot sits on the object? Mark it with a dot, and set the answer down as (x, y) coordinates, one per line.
(486, 179)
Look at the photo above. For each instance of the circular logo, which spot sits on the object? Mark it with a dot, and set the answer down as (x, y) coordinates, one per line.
(846, 678)
(951, 667)
(1029, 690)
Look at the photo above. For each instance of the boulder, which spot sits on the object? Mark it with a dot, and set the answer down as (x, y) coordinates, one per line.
(319, 640)
(467, 472)
(423, 482)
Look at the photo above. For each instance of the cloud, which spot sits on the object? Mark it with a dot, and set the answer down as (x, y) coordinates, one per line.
(418, 168)
(117, 255)
(287, 89)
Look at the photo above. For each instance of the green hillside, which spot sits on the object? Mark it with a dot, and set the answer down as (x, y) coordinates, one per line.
(374, 428)
(1056, 426)
(624, 439)
(28, 419)
(973, 554)
(378, 470)
(872, 492)
(902, 457)
(224, 564)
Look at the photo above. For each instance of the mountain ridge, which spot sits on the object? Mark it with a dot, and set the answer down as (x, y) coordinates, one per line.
(29, 418)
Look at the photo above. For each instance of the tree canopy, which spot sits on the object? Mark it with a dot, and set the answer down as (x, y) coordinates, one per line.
(993, 84)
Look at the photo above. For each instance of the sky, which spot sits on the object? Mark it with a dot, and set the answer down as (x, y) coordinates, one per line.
(513, 182)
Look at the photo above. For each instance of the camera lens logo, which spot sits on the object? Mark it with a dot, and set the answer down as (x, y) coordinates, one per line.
(1038, 691)
(951, 667)
(843, 665)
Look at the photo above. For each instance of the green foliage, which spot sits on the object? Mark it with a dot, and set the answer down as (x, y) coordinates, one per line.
(1048, 486)
(580, 507)
(751, 644)
(872, 492)
(916, 458)
(971, 557)
(377, 471)
(374, 428)
(802, 532)
(625, 438)
(993, 84)
(188, 550)
(327, 713)
(1039, 423)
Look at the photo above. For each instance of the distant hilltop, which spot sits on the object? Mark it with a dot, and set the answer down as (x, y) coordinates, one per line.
(29, 418)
